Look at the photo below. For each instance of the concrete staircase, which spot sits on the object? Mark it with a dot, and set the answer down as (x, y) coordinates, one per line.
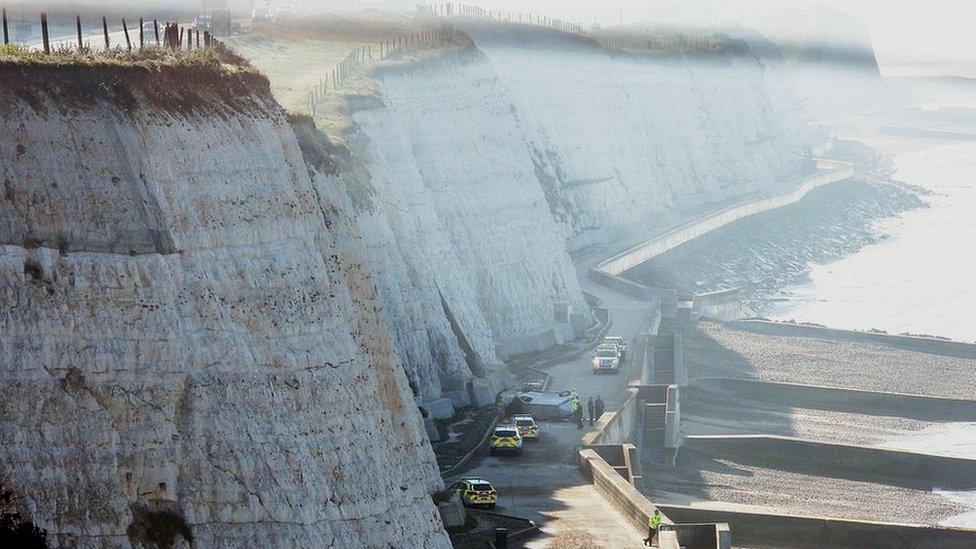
(654, 423)
(663, 356)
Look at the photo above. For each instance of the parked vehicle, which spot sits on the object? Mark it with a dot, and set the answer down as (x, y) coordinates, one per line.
(216, 22)
(544, 405)
(284, 11)
(606, 360)
(506, 439)
(475, 492)
(260, 11)
(620, 343)
(526, 426)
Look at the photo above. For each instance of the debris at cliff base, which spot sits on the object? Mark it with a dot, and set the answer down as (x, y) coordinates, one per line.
(462, 433)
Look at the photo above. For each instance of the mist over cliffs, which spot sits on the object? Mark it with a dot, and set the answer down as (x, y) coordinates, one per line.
(490, 164)
(213, 311)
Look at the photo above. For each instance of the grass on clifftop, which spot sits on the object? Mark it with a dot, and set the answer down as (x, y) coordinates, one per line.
(207, 81)
(149, 57)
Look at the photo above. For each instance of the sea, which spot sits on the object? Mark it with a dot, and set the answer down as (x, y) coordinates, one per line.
(920, 278)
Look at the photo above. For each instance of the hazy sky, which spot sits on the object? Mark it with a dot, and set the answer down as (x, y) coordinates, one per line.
(932, 36)
(904, 32)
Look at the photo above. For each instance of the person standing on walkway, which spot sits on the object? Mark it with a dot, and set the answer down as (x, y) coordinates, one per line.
(599, 406)
(578, 414)
(653, 526)
(590, 408)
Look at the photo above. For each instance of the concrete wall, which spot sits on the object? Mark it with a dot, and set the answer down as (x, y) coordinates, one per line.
(613, 466)
(672, 420)
(719, 304)
(615, 427)
(909, 343)
(846, 400)
(621, 494)
(901, 468)
(636, 508)
(772, 530)
(667, 299)
(831, 172)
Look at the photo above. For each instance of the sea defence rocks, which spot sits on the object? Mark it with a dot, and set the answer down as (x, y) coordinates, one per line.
(190, 335)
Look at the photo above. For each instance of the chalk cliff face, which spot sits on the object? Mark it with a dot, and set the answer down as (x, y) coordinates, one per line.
(457, 186)
(487, 165)
(629, 143)
(207, 326)
(189, 334)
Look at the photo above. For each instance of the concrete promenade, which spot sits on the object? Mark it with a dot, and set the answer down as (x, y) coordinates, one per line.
(545, 483)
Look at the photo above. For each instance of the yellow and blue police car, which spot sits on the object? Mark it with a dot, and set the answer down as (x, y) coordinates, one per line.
(475, 492)
(506, 439)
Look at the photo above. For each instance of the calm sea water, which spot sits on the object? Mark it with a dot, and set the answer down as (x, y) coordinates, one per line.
(921, 278)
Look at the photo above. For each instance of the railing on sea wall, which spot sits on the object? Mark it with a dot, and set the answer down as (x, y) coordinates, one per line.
(832, 171)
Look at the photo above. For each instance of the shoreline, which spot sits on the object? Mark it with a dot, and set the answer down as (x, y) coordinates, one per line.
(890, 285)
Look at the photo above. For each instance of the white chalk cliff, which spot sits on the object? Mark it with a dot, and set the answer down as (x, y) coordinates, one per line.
(208, 327)
(489, 164)
(188, 328)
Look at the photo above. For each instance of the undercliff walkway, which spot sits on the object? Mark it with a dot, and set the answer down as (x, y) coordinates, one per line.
(545, 484)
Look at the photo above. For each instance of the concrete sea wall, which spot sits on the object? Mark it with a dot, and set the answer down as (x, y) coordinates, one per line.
(919, 344)
(897, 467)
(830, 172)
(920, 407)
(766, 529)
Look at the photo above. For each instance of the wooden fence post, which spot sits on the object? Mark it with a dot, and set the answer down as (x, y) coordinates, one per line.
(142, 41)
(125, 31)
(105, 32)
(6, 35)
(78, 25)
(179, 44)
(156, 29)
(47, 44)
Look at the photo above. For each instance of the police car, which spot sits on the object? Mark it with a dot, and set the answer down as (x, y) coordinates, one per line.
(475, 491)
(606, 359)
(621, 344)
(506, 439)
(526, 426)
